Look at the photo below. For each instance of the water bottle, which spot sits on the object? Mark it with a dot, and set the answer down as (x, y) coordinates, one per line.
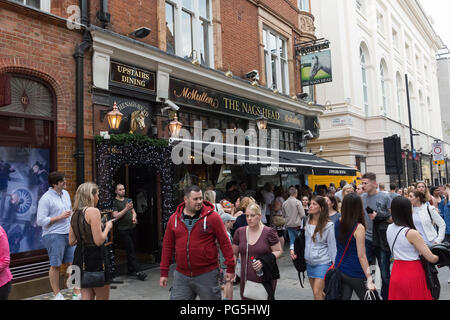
(260, 272)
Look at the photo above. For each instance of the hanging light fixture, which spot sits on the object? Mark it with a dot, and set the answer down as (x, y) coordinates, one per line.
(261, 122)
(175, 127)
(114, 117)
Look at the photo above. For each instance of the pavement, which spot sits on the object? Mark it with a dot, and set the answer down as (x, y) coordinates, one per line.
(288, 287)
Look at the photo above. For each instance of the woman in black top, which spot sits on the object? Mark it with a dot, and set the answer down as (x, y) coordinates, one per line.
(86, 231)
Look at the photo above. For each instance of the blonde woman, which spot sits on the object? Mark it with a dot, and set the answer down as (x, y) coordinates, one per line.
(347, 189)
(210, 195)
(86, 232)
(241, 221)
(262, 241)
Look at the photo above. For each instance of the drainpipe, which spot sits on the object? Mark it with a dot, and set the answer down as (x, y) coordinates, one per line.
(79, 91)
(103, 15)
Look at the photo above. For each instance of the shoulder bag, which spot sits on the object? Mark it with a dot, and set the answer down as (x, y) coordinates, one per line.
(278, 221)
(90, 279)
(333, 279)
(253, 290)
(432, 221)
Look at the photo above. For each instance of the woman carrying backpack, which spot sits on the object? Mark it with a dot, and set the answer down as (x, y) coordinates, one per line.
(320, 245)
(353, 265)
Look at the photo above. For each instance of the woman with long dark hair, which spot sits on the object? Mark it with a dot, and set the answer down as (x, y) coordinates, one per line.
(320, 245)
(354, 267)
(333, 205)
(408, 281)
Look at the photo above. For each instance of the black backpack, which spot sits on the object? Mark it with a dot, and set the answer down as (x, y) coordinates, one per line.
(333, 284)
(299, 249)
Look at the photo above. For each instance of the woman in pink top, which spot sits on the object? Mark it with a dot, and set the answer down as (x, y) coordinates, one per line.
(5, 274)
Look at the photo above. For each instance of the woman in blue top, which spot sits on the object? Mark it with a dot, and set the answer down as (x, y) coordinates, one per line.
(354, 267)
(320, 245)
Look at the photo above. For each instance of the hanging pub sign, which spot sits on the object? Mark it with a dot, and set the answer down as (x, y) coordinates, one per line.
(132, 77)
(316, 68)
(136, 115)
(205, 98)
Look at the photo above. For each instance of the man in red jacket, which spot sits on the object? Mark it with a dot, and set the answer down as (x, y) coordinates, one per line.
(192, 232)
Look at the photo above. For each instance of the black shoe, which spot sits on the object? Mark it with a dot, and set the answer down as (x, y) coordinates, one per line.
(132, 274)
(141, 276)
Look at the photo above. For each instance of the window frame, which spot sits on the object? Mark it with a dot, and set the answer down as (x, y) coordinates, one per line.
(301, 7)
(44, 5)
(206, 43)
(384, 93)
(281, 61)
(365, 84)
(399, 98)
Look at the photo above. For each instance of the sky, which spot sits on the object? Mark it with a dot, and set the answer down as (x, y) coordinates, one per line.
(439, 11)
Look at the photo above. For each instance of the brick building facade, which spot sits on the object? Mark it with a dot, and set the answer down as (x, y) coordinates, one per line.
(225, 35)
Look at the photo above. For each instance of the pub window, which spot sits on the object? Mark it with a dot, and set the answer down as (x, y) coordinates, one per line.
(44, 5)
(170, 30)
(189, 29)
(275, 60)
(27, 155)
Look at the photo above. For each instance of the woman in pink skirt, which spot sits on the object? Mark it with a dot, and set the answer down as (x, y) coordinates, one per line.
(408, 280)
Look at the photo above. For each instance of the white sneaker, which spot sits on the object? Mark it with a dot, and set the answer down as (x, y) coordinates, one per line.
(59, 296)
(448, 281)
(76, 296)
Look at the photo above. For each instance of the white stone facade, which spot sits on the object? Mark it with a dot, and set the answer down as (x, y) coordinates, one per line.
(393, 38)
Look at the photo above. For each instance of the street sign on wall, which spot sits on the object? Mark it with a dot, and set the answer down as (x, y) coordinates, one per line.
(438, 154)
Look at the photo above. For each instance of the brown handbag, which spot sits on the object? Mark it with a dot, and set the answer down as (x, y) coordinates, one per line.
(278, 221)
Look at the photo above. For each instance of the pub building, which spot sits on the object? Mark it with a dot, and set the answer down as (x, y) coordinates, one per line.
(135, 77)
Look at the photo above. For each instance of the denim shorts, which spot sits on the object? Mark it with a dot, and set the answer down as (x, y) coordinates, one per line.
(317, 271)
(58, 248)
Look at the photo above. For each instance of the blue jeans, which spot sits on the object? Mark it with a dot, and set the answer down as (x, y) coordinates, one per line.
(384, 262)
(293, 234)
(369, 252)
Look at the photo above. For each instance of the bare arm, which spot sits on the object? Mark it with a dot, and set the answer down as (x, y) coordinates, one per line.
(94, 220)
(277, 251)
(235, 251)
(360, 236)
(417, 241)
(72, 239)
(120, 214)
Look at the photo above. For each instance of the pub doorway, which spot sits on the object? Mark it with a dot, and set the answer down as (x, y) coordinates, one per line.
(141, 186)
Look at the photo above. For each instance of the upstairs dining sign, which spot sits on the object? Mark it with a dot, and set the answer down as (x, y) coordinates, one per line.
(205, 98)
(132, 77)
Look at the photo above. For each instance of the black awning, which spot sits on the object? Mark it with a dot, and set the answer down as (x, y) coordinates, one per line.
(257, 160)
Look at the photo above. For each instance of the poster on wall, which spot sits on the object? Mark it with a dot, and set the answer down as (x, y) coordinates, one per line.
(23, 181)
(316, 68)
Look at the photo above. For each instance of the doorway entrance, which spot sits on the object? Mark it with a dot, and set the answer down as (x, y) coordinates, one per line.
(140, 184)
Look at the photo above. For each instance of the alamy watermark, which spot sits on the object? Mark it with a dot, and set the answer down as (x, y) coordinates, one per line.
(240, 147)
(74, 19)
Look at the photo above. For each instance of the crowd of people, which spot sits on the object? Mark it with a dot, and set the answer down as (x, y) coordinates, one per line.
(75, 239)
(350, 227)
(237, 240)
